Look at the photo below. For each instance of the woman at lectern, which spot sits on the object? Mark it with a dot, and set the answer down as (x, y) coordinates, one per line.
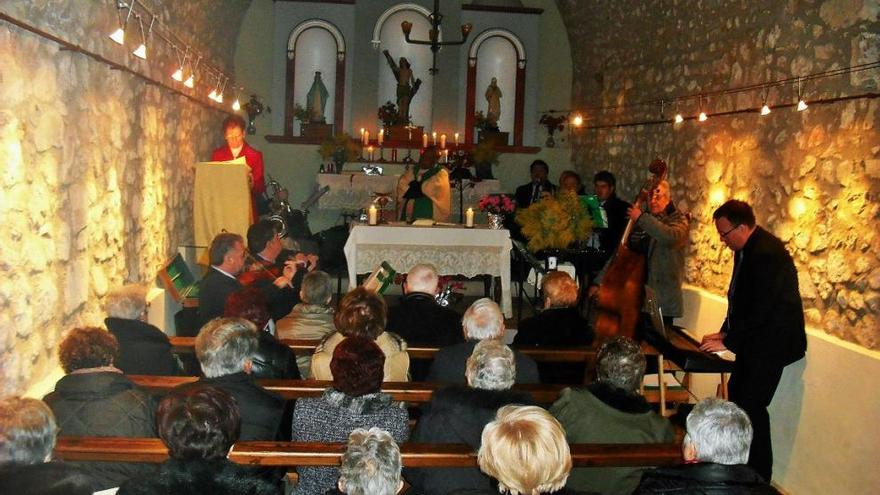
(235, 147)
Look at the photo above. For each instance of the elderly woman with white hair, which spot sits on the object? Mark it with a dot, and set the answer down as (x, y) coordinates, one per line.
(27, 438)
(311, 319)
(715, 450)
(483, 320)
(143, 348)
(370, 464)
(458, 413)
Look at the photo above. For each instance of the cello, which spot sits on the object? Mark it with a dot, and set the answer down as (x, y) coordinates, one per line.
(622, 291)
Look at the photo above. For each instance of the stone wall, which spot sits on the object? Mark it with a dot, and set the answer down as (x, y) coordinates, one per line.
(97, 168)
(813, 176)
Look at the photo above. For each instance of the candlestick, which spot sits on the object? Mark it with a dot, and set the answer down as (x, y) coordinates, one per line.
(381, 136)
(456, 139)
(469, 217)
(425, 140)
(434, 138)
(373, 215)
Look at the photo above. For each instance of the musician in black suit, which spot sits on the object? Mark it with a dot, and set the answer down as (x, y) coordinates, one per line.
(527, 194)
(227, 260)
(615, 208)
(764, 324)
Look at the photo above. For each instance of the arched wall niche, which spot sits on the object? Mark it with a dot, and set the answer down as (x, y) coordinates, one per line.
(387, 35)
(497, 53)
(313, 46)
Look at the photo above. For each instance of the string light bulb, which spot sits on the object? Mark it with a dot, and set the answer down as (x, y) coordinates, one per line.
(703, 117)
(578, 120)
(765, 110)
(678, 118)
(236, 105)
(801, 105)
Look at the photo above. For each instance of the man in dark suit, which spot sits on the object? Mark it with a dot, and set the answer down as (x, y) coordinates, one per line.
(615, 210)
(420, 320)
(765, 321)
(482, 321)
(226, 256)
(527, 194)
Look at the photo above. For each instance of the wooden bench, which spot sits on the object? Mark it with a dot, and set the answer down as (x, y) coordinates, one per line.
(291, 454)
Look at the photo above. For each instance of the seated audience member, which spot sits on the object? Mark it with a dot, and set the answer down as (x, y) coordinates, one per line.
(95, 399)
(420, 319)
(143, 348)
(269, 258)
(272, 359)
(570, 182)
(225, 349)
(362, 313)
(558, 325)
(482, 321)
(27, 437)
(611, 411)
(354, 401)
(226, 256)
(715, 449)
(370, 465)
(527, 194)
(312, 319)
(525, 450)
(199, 426)
(458, 413)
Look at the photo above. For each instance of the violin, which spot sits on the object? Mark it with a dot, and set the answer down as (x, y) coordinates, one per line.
(622, 292)
(260, 270)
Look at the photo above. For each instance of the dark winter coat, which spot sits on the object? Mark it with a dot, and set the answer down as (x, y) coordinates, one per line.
(214, 288)
(457, 414)
(48, 478)
(143, 348)
(420, 321)
(556, 327)
(104, 404)
(705, 478)
(272, 359)
(450, 362)
(197, 477)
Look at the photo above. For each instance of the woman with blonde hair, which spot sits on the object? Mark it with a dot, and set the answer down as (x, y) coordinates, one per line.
(525, 450)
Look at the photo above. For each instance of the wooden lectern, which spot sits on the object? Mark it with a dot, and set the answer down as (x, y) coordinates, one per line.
(221, 200)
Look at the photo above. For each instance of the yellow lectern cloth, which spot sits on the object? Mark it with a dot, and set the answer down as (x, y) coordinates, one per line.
(221, 200)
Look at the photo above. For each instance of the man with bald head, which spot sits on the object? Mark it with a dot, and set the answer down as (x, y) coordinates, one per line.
(419, 319)
(661, 233)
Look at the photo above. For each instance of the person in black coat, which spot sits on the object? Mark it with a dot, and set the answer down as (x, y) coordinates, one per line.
(143, 348)
(272, 359)
(27, 438)
(527, 194)
(764, 324)
(615, 209)
(199, 426)
(224, 348)
(458, 413)
(420, 320)
(482, 321)
(559, 324)
(95, 399)
(715, 451)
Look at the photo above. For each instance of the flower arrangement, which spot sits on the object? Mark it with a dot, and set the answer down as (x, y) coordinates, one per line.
(497, 204)
(554, 222)
(482, 123)
(552, 123)
(389, 114)
(341, 148)
(300, 113)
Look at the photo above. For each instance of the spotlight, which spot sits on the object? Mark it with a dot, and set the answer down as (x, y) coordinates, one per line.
(219, 98)
(190, 81)
(213, 94)
(578, 120)
(178, 75)
(765, 110)
(119, 35)
(140, 52)
(678, 118)
(236, 105)
(802, 105)
(703, 117)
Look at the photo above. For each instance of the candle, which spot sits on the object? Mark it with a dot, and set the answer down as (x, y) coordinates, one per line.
(469, 217)
(373, 215)
(445, 156)
(434, 138)
(456, 139)
(442, 141)
(370, 150)
(425, 140)
(381, 137)
(362, 134)
(366, 138)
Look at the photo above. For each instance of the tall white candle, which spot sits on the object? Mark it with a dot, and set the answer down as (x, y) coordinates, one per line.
(381, 137)
(370, 150)
(366, 138)
(469, 217)
(425, 140)
(434, 138)
(373, 215)
(456, 139)
(442, 141)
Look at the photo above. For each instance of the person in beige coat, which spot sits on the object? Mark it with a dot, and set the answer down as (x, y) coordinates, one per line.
(312, 319)
(363, 313)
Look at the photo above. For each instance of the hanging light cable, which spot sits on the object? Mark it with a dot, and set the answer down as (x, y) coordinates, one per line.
(178, 74)
(141, 51)
(119, 35)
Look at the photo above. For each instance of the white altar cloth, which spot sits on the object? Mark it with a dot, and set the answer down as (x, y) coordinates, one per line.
(453, 250)
(353, 191)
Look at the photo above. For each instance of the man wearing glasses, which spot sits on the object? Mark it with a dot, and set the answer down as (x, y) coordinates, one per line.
(765, 321)
(236, 146)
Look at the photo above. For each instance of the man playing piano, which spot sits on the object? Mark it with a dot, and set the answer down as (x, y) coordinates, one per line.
(765, 321)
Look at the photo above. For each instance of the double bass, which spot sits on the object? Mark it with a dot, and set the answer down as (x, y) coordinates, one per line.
(622, 291)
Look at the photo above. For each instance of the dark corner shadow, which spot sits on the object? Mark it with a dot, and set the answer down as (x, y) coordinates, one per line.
(785, 414)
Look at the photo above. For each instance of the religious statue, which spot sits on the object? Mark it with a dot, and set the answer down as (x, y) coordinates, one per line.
(493, 98)
(407, 87)
(317, 100)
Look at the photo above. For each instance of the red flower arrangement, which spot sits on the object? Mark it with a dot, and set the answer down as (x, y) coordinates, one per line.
(497, 204)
